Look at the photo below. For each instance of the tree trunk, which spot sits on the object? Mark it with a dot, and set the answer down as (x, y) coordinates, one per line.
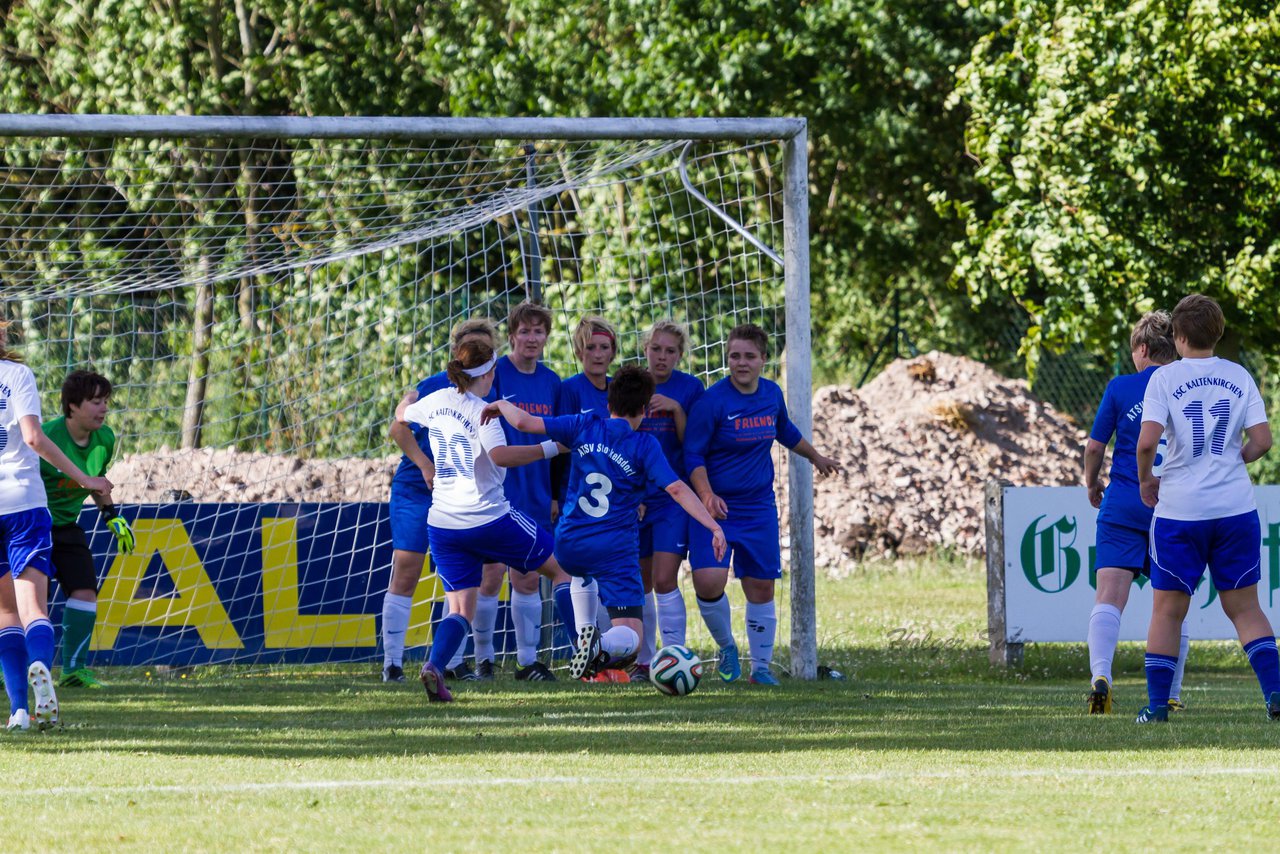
(201, 338)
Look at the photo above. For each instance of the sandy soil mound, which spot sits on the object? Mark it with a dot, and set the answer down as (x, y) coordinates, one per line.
(918, 444)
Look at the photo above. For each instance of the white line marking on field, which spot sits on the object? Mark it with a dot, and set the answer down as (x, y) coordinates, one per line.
(692, 779)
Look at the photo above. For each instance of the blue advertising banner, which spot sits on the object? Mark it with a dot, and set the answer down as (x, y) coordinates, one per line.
(214, 583)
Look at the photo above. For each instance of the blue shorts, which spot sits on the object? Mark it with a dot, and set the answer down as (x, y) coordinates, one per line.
(1122, 547)
(459, 554)
(409, 509)
(665, 528)
(755, 549)
(616, 572)
(27, 537)
(1231, 547)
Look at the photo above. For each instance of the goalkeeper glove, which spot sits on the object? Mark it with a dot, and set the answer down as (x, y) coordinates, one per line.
(120, 527)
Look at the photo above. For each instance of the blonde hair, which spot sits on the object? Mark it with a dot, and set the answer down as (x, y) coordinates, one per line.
(588, 326)
(668, 327)
(473, 326)
(1155, 330)
(6, 354)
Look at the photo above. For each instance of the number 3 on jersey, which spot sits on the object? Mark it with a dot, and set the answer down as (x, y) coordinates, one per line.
(596, 503)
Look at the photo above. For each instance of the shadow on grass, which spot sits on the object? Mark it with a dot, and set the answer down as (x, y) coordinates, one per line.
(292, 716)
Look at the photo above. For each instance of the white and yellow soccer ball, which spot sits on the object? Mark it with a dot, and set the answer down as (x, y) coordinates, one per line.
(676, 670)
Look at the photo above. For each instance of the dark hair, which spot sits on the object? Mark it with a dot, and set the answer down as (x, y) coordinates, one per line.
(529, 314)
(752, 333)
(630, 391)
(469, 354)
(1155, 330)
(80, 386)
(1198, 319)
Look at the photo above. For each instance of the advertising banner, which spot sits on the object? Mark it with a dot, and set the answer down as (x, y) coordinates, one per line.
(1049, 569)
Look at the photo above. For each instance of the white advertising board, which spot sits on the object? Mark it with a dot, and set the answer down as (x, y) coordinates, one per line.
(1049, 561)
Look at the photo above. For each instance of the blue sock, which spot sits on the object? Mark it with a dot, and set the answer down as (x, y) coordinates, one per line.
(40, 642)
(1160, 670)
(1266, 663)
(450, 635)
(13, 662)
(564, 607)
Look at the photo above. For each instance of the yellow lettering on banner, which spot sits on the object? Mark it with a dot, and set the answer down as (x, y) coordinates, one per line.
(283, 626)
(194, 603)
(428, 592)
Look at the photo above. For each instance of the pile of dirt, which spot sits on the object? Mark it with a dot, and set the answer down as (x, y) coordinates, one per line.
(918, 444)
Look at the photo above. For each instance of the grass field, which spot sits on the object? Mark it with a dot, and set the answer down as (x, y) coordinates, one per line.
(923, 746)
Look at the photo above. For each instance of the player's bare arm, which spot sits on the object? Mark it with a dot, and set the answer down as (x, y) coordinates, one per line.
(825, 465)
(702, 486)
(1257, 442)
(1148, 442)
(1094, 453)
(33, 435)
(685, 497)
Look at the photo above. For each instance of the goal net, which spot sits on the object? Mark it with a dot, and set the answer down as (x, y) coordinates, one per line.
(261, 300)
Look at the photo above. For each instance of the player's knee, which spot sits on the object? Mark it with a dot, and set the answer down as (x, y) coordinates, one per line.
(406, 571)
(758, 591)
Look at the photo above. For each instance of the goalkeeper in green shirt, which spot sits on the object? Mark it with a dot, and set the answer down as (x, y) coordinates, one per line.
(84, 438)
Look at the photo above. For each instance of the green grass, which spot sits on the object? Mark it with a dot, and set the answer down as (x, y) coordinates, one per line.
(924, 746)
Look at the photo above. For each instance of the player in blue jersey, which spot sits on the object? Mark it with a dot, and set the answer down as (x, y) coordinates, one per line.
(1206, 513)
(1124, 522)
(728, 448)
(664, 529)
(597, 538)
(410, 504)
(595, 343)
(471, 521)
(523, 380)
(26, 635)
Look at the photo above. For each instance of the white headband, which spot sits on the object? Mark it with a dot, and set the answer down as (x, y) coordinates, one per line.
(483, 369)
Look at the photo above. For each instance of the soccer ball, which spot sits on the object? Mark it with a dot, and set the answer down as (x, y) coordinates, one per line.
(675, 670)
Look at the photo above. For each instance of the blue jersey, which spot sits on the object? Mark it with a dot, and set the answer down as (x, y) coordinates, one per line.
(686, 390)
(1120, 414)
(528, 488)
(407, 481)
(579, 397)
(612, 469)
(732, 434)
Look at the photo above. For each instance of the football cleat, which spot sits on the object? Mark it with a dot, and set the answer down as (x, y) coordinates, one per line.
(19, 720)
(763, 676)
(462, 673)
(484, 671)
(393, 673)
(1149, 715)
(41, 682)
(536, 672)
(433, 681)
(1100, 697)
(638, 672)
(729, 668)
(1273, 706)
(81, 677)
(1176, 705)
(588, 657)
(611, 674)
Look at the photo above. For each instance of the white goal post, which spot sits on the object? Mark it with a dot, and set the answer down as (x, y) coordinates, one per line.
(25, 134)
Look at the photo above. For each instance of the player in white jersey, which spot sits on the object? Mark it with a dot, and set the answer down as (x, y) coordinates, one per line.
(1205, 510)
(471, 522)
(26, 635)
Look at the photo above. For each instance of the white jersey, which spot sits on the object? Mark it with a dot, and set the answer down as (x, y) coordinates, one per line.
(1203, 405)
(468, 485)
(20, 485)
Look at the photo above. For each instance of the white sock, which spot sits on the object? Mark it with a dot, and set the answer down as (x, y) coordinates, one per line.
(482, 626)
(1184, 644)
(1104, 634)
(672, 618)
(526, 614)
(762, 629)
(585, 600)
(645, 655)
(717, 617)
(619, 642)
(395, 622)
(603, 623)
